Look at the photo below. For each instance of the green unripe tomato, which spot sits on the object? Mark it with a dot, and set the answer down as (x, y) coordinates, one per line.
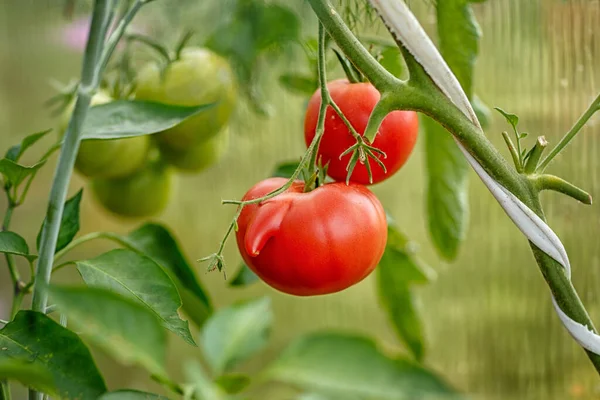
(107, 158)
(198, 157)
(142, 194)
(198, 77)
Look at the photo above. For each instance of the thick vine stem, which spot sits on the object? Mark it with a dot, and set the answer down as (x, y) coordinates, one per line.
(421, 94)
(352, 47)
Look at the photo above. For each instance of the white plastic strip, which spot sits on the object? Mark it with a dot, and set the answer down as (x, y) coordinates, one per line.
(402, 23)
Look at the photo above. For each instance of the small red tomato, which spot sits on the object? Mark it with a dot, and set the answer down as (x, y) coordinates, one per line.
(396, 137)
(313, 243)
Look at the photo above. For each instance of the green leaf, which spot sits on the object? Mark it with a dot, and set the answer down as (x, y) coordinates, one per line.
(15, 173)
(417, 272)
(447, 190)
(482, 111)
(459, 36)
(247, 325)
(131, 395)
(399, 302)
(344, 365)
(126, 118)
(398, 270)
(126, 330)
(391, 59)
(447, 200)
(233, 384)
(244, 277)
(200, 385)
(512, 119)
(285, 169)
(29, 374)
(158, 243)
(37, 340)
(140, 279)
(69, 224)
(12, 243)
(299, 84)
(16, 151)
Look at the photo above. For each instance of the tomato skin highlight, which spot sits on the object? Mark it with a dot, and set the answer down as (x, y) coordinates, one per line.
(397, 134)
(313, 243)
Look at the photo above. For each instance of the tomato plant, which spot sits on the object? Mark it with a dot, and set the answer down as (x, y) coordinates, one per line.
(199, 76)
(298, 232)
(312, 243)
(396, 136)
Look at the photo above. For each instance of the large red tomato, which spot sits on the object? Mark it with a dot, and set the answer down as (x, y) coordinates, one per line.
(313, 243)
(396, 137)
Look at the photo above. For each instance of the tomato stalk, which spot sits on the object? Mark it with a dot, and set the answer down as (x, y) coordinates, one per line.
(420, 93)
(97, 53)
(592, 109)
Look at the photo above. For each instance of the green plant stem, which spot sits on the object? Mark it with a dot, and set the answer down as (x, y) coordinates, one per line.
(18, 292)
(10, 262)
(513, 150)
(421, 94)
(154, 45)
(354, 50)
(536, 153)
(322, 72)
(46, 155)
(594, 107)
(4, 390)
(93, 66)
(66, 160)
(113, 40)
(551, 182)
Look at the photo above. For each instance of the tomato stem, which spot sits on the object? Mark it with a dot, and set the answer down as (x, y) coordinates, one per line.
(97, 54)
(151, 43)
(593, 108)
(513, 150)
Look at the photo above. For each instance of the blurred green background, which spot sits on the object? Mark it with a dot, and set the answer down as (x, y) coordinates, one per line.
(490, 326)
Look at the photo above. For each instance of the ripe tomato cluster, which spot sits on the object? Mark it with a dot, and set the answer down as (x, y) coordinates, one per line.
(132, 177)
(327, 239)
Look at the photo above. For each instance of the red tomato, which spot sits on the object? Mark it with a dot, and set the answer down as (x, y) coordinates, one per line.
(396, 137)
(313, 243)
